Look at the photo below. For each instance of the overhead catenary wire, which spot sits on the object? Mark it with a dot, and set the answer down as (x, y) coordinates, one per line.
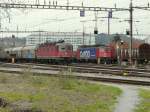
(75, 1)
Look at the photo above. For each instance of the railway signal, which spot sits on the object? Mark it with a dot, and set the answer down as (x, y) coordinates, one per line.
(127, 32)
(82, 13)
(95, 31)
(13, 36)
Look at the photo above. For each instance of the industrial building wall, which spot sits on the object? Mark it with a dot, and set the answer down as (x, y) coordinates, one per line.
(105, 39)
(76, 39)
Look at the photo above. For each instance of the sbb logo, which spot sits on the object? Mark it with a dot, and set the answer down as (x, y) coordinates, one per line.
(85, 54)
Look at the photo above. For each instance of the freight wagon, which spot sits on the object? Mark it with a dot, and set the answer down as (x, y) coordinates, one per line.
(144, 53)
(25, 53)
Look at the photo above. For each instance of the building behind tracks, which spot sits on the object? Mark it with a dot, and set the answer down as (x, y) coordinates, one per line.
(147, 40)
(9, 42)
(75, 38)
(105, 39)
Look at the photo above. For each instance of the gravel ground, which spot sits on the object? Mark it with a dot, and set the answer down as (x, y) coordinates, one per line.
(128, 100)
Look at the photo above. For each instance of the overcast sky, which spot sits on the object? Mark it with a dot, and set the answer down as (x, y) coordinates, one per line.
(70, 21)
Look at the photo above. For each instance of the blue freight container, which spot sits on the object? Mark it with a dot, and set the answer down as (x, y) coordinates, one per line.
(88, 53)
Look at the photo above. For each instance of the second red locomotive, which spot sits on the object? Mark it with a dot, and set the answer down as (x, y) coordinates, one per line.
(95, 53)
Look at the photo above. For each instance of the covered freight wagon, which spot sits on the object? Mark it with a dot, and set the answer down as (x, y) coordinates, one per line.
(24, 53)
(144, 53)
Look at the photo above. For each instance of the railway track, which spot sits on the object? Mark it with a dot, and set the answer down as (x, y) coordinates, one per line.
(98, 67)
(81, 72)
(87, 69)
(102, 69)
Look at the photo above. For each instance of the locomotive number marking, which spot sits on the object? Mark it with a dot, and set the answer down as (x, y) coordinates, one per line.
(85, 54)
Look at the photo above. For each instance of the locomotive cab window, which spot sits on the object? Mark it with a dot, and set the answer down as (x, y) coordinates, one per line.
(62, 48)
(69, 48)
(7, 52)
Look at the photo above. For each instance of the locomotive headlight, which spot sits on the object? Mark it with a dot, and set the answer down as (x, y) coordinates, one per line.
(121, 42)
(117, 46)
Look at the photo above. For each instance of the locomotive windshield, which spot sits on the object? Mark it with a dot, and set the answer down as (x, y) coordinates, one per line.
(62, 48)
(65, 48)
(69, 48)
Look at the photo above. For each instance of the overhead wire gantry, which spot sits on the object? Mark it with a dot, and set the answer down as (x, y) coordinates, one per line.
(80, 8)
(60, 7)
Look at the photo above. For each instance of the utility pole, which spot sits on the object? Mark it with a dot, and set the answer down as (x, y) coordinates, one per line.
(83, 32)
(83, 36)
(108, 26)
(67, 2)
(90, 39)
(131, 30)
(0, 23)
(83, 41)
(17, 31)
(109, 16)
(39, 37)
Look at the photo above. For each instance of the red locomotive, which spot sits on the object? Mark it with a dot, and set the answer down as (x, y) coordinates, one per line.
(55, 51)
(97, 53)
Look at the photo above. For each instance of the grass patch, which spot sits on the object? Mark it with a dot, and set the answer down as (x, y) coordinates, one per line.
(144, 105)
(4, 110)
(58, 94)
(16, 96)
